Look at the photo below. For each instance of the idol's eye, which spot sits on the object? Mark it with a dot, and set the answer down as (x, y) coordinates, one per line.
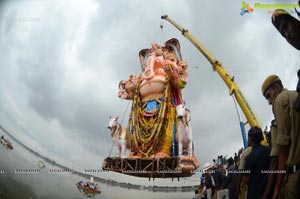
(172, 59)
(158, 54)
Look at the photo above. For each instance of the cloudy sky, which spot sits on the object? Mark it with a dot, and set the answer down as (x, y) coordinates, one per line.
(61, 62)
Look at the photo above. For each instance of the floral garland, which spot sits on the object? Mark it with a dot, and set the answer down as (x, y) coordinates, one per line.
(148, 132)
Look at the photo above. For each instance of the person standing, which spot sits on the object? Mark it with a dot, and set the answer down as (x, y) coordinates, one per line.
(257, 163)
(288, 137)
(236, 159)
(241, 187)
(215, 165)
(231, 179)
(268, 193)
(214, 179)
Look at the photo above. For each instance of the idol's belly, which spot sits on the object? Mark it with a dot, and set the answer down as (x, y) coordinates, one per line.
(153, 88)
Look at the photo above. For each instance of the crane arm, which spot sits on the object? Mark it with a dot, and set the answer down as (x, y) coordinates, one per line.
(217, 66)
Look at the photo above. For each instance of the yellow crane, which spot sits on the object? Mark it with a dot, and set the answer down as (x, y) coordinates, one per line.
(227, 78)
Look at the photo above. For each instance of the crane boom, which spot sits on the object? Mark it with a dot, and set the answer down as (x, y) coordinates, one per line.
(229, 80)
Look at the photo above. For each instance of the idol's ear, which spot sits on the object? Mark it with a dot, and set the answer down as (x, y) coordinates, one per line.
(173, 45)
(143, 55)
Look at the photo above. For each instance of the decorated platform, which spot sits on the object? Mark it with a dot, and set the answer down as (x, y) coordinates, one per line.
(147, 167)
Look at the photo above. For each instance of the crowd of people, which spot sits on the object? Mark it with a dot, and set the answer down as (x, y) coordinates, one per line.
(272, 171)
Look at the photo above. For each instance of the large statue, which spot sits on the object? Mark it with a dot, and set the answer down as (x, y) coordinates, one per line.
(155, 93)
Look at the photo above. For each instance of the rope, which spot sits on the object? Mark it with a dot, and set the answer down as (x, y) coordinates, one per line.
(123, 116)
(111, 149)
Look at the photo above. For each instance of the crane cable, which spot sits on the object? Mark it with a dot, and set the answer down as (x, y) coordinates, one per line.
(236, 108)
(242, 124)
(160, 36)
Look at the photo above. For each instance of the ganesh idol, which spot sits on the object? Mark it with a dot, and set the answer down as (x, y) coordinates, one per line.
(155, 94)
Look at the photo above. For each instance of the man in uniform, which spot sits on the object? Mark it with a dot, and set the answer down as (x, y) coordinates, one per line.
(288, 137)
(289, 28)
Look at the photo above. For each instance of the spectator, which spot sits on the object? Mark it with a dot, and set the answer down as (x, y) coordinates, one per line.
(215, 164)
(210, 186)
(214, 178)
(268, 193)
(236, 158)
(220, 161)
(231, 179)
(257, 163)
(241, 187)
